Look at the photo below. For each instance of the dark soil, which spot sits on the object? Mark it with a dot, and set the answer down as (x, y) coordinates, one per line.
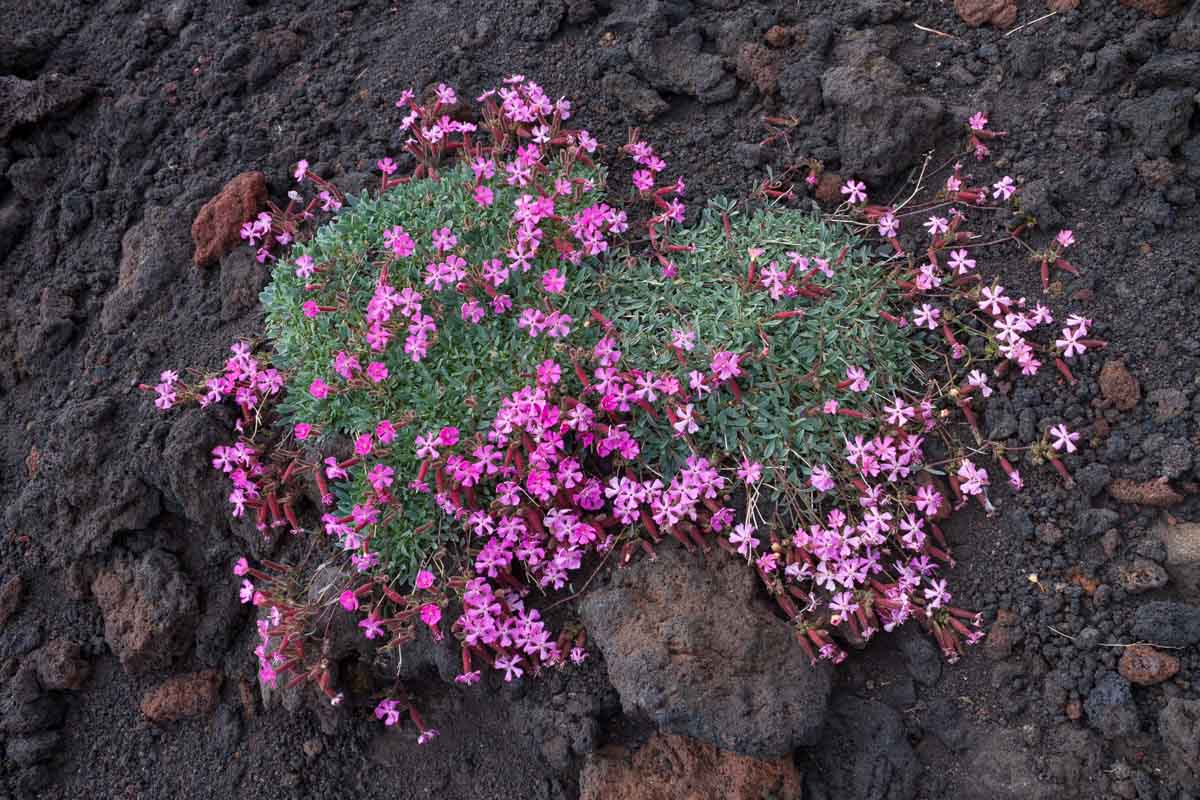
(117, 114)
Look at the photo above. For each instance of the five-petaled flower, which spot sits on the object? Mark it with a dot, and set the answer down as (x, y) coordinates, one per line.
(855, 191)
(1063, 438)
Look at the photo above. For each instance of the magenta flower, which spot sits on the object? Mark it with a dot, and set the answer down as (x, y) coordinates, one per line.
(372, 626)
(468, 678)
(386, 166)
(725, 365)
(301, 430)
(381, 477)
(377, 371)
(431, 614)
(385, 432)
(241, 567)
(348, 600)
(978, 121)
(424, 579)
(483, 195)
(310, 308)
(363, 445)
(388, 711)
(448, 436)
(318, 389)
(247, 591)
(444, 240)
(510, 666)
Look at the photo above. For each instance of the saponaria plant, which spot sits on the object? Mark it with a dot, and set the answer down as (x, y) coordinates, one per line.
(490, 389)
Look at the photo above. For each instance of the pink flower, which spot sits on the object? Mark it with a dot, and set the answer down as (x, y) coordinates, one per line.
(977, 121)
(553, 282)
(386, 166)
(750, 472)
(385, 432)
(994, 302)
(241, 567)
(388, 711)
(401, 243)
(448, 436)
(937, 225)
(509, 665)
(743, 538)
(348, 600)
(301, 170)
(820, 479)
(247, 591)
(1065, 239)
(926, 316)
(1070, 344)
(858, 379)
(318, 389)
(1004, 188)
(960, 263)
(446, 95)
(483, 195)
(643, 180)
(424, 579)
(468, 678)
(1063, 438)
(310, 308)
(856, 191)
(372, 626)
(381, 477)
(725, 365)
(363, 445)
(444, 239)
(377, 371)
(549, 373)
(431, 614)
(889, 226)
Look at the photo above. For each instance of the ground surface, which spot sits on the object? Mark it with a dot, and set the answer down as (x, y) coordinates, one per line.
(122, 114)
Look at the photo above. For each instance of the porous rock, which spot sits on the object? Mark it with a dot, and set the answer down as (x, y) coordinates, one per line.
(182, 696)
(999, 13)
(1109, 707)
(864, 754)
(149, 609)
(1118, 386)
(677, 768)
(1146, 666)
(1166, 623)
(692, 645)
(216, 229)
(883, 123)
(60, 665)
(1179, 727)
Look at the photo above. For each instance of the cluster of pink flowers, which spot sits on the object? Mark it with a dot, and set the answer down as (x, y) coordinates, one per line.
(555, 476)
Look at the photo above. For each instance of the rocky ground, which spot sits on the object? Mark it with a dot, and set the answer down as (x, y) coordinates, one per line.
(125, 664)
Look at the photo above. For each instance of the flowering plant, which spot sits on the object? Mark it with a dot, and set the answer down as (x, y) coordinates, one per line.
(518, 392)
